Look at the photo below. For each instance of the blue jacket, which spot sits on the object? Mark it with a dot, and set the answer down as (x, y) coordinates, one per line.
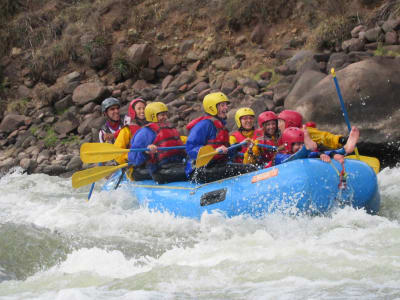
(144, 137)
(198, 137)
(304, 153)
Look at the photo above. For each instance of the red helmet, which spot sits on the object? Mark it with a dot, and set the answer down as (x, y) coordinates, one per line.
(265, 117)
(292, 118)
(131, 111)
(292, 135)
(311, 124)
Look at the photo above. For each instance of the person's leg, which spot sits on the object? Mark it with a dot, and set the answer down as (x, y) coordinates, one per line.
(352, 140)
(308, 142)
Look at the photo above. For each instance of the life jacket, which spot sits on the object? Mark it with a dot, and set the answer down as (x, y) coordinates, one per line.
(265, 154)
(240, 138)
(132, 127)
(106, 128)
(166, 136)
(221, 137)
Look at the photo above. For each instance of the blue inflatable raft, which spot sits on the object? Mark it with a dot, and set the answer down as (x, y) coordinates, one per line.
(303, 186)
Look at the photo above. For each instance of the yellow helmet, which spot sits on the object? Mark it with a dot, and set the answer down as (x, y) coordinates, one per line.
(210, 102)
(152, 109)
(241, 112)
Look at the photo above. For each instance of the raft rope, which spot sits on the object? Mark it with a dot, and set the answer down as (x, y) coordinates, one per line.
(342, 176)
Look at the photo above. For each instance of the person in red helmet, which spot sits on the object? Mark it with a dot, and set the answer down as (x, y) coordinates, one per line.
(298, 144)
(134, 121)
(266, 134)
(324, 139)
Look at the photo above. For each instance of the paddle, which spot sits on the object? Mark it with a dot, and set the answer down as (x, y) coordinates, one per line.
(91, 189)
(101, 152)
(88, 176)
(373, 162)
(207, 153)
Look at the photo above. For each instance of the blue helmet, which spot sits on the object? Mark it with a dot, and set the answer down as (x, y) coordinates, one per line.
(107, 103)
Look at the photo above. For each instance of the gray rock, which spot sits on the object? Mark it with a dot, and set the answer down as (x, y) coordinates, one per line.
(305, 83)
(63, 104)
(11, 122)
(74, 164)
(353, 45)
(391, 24)
(183, 78)
(66, 126)
(281, 91)
(139, 54)
(374, 34)
(225, 63)
(87, 92)
(356, 31)
(28, 164)
(371, 99)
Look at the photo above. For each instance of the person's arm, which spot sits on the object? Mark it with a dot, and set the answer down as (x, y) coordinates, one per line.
(122, 141)
(325, 138)
(198, 137)
(302, 153)
(144, 137)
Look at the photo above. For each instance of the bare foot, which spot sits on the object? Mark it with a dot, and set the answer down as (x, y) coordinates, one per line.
(352, 140)
(308, 142)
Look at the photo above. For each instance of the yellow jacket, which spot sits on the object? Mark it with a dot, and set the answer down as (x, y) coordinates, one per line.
(324, 138)
(122, 141)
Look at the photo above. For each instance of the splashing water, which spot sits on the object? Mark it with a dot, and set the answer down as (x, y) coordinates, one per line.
(56, 245)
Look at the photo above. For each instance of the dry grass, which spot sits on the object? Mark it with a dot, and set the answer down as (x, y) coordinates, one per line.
(331, 33)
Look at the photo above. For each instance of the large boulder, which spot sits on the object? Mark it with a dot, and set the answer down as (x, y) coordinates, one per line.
(370, 89)
(90, 91)
(303, 85)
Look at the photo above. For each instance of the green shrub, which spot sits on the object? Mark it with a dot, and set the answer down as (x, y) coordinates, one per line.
(51, 138)
(331, 32)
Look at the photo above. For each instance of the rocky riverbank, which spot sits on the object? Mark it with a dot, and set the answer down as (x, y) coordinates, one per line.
(50, 122)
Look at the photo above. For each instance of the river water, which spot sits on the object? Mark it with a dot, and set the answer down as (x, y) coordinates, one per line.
(56, 245)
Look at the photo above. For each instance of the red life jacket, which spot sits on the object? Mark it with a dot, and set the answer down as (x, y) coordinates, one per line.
(240, 138)
(221, 138)
(265, 154)
(166, 136)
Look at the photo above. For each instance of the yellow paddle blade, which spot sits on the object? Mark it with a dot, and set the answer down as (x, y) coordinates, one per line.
(373, 162)
(206, 153)
(100, 152)
(89, 176)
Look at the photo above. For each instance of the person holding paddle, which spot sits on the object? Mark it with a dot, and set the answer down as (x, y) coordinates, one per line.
(135, 120)
(244, 119)
(267, 134)
(208, 144)
(163, 166)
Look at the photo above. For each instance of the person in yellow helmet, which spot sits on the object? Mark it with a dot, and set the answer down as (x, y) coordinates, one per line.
(244, 119)
(210, 130)
(163, 166)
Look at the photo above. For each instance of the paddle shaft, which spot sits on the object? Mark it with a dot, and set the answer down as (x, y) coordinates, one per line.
(346, 116)
(92, 188)
(141, 150)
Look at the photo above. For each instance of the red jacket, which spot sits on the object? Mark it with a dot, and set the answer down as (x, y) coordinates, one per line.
(166, 136)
